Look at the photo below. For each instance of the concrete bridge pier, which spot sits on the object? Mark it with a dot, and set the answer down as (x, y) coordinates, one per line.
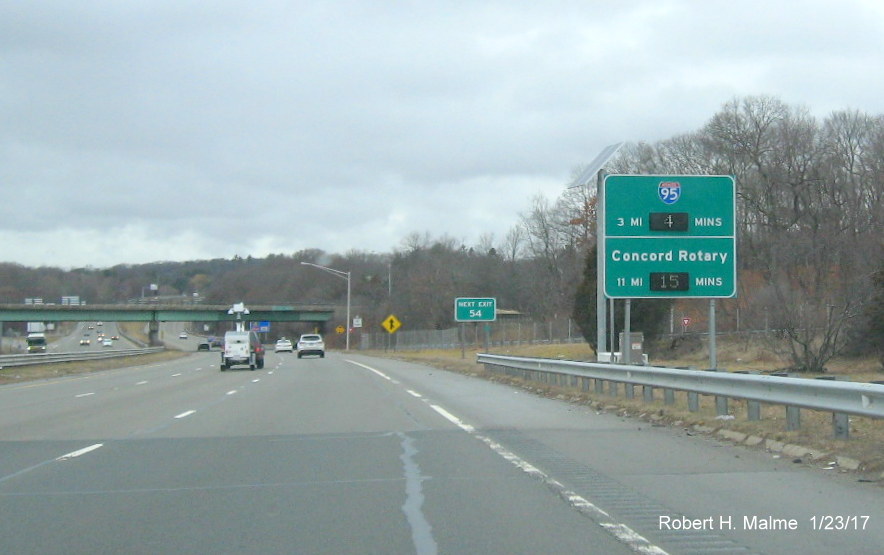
(153, 334)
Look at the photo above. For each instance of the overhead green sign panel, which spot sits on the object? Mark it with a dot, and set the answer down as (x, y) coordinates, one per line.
(670, 236)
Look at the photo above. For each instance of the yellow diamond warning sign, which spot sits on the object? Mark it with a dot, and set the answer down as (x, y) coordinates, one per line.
(391, 323)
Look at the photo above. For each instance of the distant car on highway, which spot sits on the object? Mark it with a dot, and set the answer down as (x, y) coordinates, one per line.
(182, 335)
(284, 345)
(85, 341)
(108, 342)
(311, 344)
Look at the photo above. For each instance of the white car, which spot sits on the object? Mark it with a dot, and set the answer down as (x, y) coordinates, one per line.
(284, 345)
(107, 342)
(182, 335)
(311, 344)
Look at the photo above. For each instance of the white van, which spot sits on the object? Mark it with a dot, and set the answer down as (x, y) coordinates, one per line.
(242, 347)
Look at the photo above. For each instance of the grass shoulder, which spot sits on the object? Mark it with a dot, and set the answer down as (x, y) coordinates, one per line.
(19, 374)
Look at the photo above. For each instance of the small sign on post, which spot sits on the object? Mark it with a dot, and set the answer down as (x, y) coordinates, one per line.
(468, 309)
(391, 323)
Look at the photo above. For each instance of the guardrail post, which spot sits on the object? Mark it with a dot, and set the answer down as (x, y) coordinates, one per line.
(612, 389)
(648, 393)
(721, 408)
(599, 386)
(584, 384)
(841, 425)
(630, 390)
(693, 401)
(753, 410)
(793, 418)
(669, 396)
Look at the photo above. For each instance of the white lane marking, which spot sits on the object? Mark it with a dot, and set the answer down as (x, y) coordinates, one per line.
(619, 530)
(231, 392)
(176, 375)
(256, 380)
(185, 414)
(622, 532)
(141, 382)
(453, 419)
(414, 394)
(198, 369)
(270, 373)
(77, 453)
(84, 395)
(378, 372)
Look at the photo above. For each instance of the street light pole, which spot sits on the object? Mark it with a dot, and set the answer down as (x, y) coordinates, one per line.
(342, 275)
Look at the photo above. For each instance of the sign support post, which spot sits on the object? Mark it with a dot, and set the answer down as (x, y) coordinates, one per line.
(601, 320)
(713, 354)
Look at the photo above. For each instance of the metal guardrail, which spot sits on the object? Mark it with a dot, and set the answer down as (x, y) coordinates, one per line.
(840, 398)
(8, 361)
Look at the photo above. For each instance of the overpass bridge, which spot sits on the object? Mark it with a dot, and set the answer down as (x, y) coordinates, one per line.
(156, 313)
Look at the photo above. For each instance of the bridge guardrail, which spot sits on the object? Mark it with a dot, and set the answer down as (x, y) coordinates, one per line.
(9, 361)
(839, 398)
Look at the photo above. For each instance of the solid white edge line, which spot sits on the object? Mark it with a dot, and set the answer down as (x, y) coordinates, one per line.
(621, 531)
(378, 372)
(77, 453)
(185, 414)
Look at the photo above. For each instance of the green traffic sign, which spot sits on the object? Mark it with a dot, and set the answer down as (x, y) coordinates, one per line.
(669, 236)
(468, 309)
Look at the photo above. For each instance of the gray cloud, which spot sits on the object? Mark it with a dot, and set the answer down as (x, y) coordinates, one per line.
(170, 130)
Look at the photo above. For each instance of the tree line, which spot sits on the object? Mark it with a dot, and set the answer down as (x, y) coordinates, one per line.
(809, 227)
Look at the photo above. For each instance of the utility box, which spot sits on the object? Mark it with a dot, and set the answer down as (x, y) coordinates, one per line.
(636, 347)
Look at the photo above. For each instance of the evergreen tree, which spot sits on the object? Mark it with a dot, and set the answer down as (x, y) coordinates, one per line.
(584, 312)
(648, 316)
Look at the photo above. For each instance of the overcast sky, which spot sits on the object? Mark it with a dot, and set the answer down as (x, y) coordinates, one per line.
(175, 130)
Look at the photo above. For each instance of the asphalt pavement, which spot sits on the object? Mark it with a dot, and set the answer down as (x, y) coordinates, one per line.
(351, 454)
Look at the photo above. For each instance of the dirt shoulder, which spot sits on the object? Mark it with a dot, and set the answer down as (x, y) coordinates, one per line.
(812, 445)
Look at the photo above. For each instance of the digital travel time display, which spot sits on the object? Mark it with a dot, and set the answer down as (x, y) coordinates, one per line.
(670, 281)
(668, 221)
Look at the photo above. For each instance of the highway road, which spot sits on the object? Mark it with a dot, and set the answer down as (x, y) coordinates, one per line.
(352, 454)
(89, 330)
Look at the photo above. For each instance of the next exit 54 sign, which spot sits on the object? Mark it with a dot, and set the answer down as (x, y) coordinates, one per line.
(471, 309)
(669, 236)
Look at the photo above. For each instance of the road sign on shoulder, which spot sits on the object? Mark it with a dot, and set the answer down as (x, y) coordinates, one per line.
(670, 236)
(391, 323)
(469, 309)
